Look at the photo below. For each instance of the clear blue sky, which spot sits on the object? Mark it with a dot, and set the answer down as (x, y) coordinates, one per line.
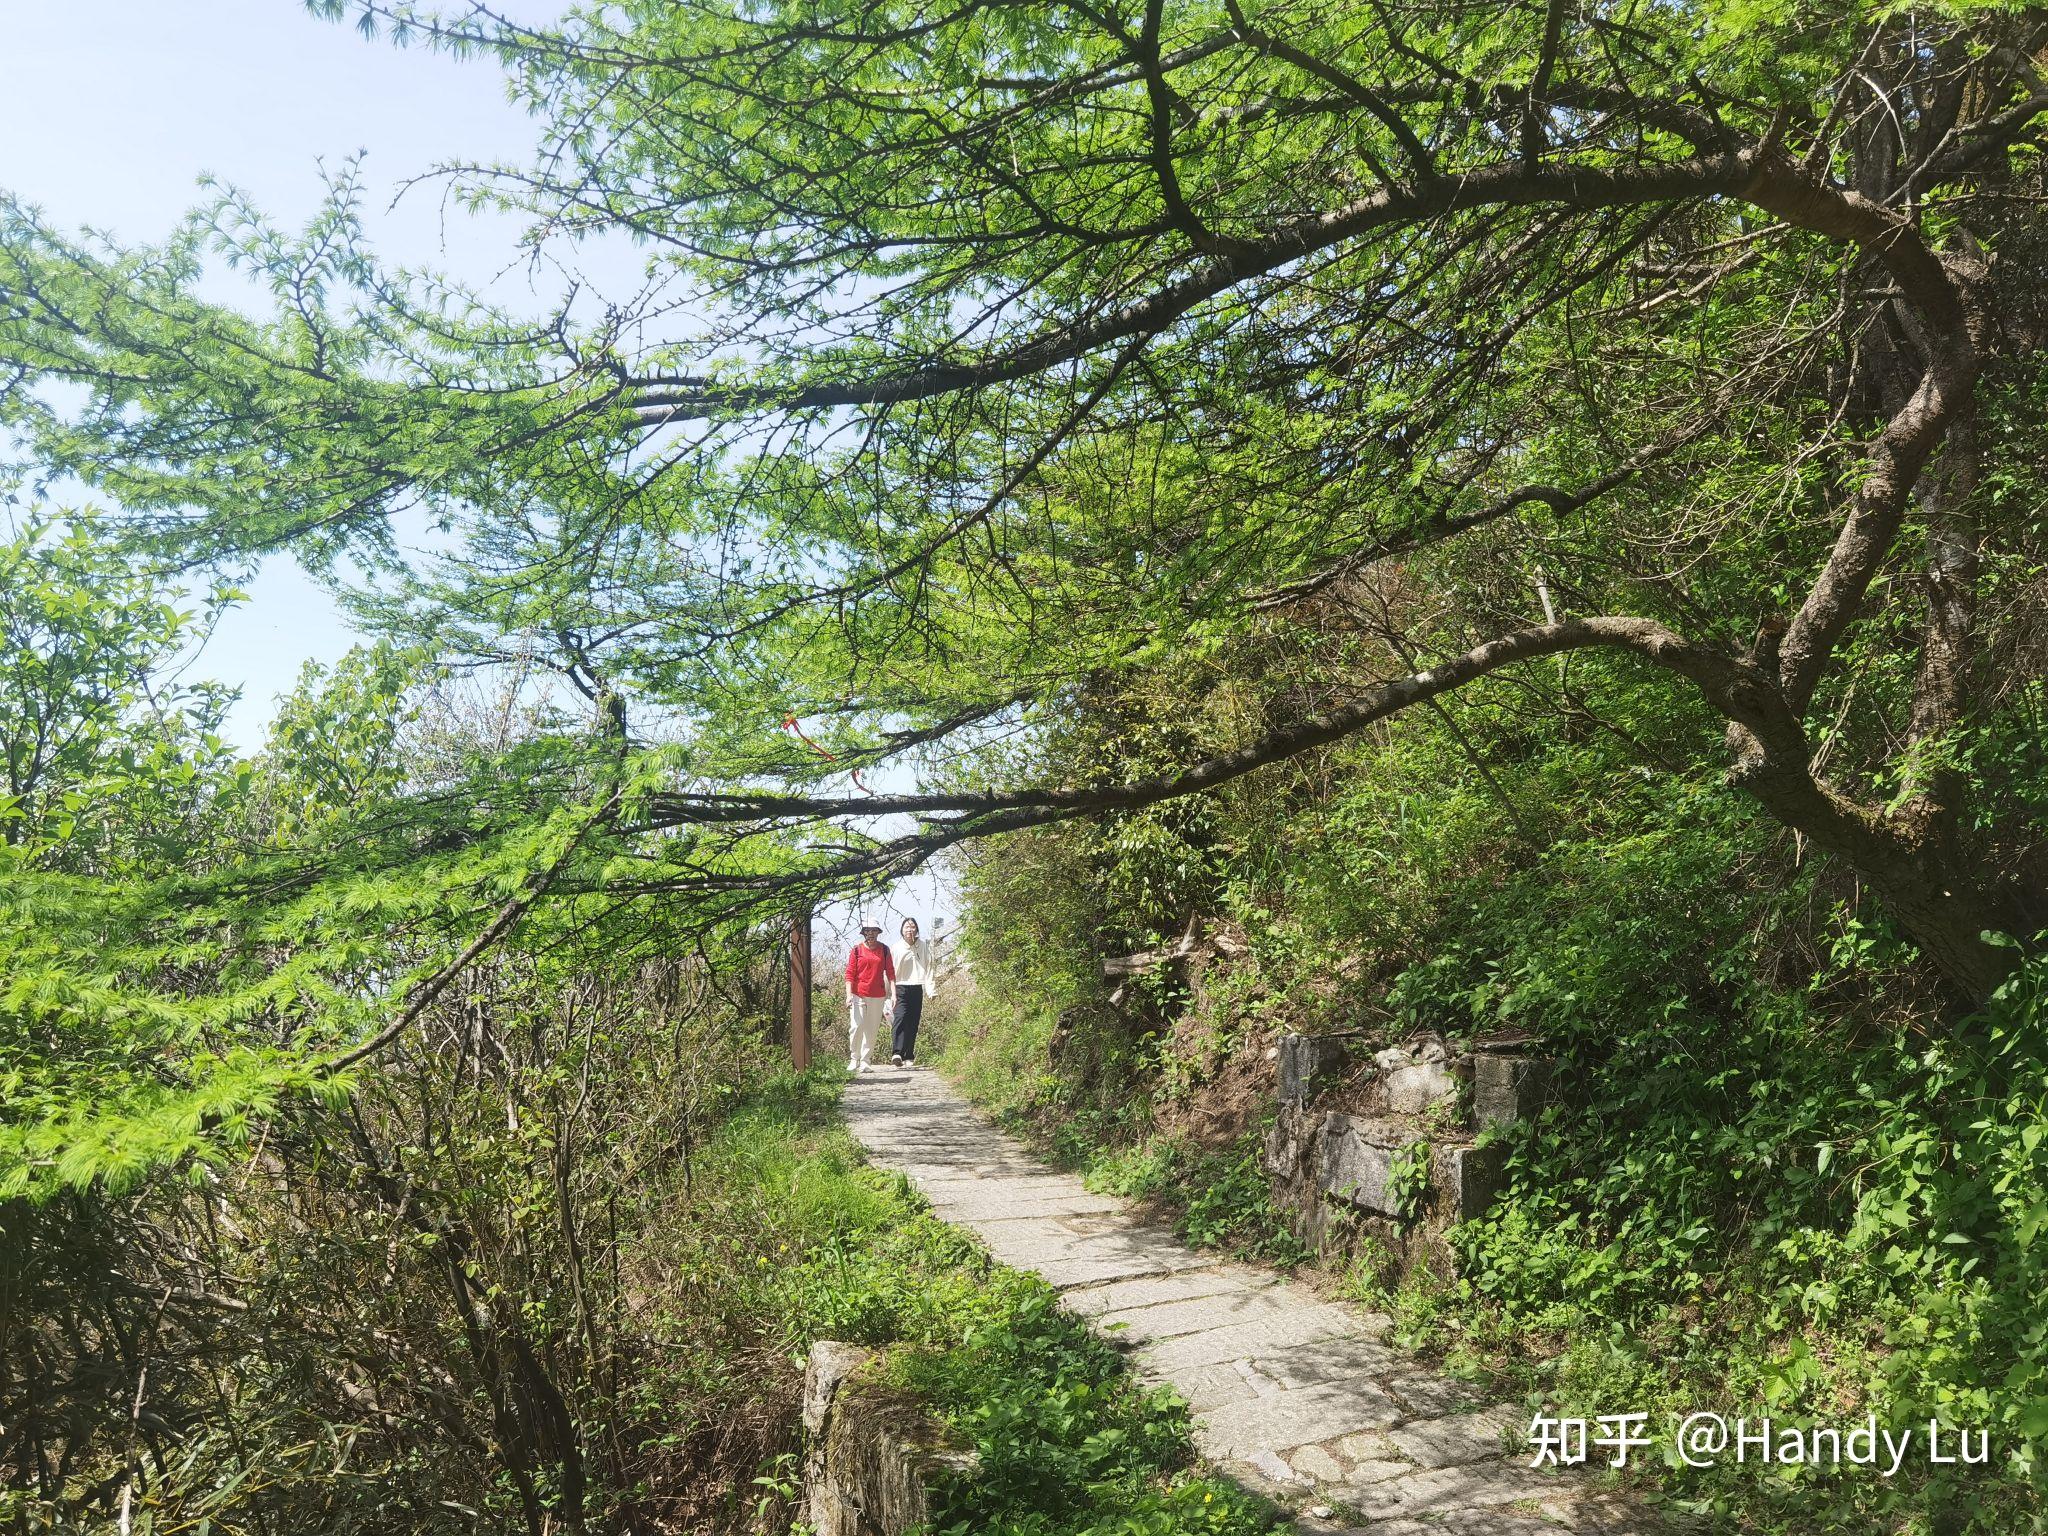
(115, 108)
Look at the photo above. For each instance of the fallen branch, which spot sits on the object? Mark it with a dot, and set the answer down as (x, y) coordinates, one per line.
(1144, 960)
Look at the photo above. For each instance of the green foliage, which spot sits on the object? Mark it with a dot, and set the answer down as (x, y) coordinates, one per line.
(335, 741)
(1875, 1217)
(153, 1022)
(1063, 1440)
(188, 939)
(337, 1291)
(1408, 1179)
(1010, 373)
(792, 1240)
(1090, 1112)
(1056, 398)
(1778, 1178)
(113, 764)
(1219, 1197)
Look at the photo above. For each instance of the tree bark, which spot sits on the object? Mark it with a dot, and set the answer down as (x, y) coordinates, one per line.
(1945, 906)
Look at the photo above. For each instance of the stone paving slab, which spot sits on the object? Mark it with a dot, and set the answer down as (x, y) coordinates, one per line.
(1207, 1386)
(1281, 1346)
(1292, 1420)
(1175, 1319)
(1153, 1290)
(1301, 1399)
(982, 1188)
(984, 1207)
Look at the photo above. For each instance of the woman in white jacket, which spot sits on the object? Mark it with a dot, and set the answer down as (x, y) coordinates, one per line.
(914, 980)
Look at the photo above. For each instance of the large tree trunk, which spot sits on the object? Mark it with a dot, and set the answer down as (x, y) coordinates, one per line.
(1913, 866)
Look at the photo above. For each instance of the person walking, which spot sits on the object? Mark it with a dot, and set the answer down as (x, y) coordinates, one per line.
(870, 984)
(914, 983)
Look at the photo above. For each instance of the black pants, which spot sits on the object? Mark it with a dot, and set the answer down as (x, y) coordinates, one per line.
(909, 1009)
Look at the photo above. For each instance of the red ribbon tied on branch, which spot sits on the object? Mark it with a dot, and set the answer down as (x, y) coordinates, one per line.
(789, 724)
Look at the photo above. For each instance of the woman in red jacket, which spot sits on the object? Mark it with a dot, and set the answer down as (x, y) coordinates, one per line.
(870, 987)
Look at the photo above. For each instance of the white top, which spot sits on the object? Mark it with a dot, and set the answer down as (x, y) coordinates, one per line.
(914, 966)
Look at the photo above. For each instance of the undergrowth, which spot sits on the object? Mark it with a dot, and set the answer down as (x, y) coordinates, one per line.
(792, 1239)
(1216, 1197)
(1779, 1178)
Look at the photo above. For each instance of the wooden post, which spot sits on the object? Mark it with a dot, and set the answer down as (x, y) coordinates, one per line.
(800, 990)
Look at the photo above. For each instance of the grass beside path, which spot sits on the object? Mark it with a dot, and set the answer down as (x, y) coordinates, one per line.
(790, 1238)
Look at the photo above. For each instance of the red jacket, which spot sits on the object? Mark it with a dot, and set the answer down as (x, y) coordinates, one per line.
(865, 969)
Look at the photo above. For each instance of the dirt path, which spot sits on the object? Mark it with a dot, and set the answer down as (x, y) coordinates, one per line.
(1296, 1397)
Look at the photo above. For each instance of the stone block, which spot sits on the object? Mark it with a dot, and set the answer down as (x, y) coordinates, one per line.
(1153, 1290)
(872, 1458)
(1177, 1319)
(1316, 1464)
(1333, 1362)
(1209, 1386)
(830, 1364)
(1416, 1052)
(1290, 1140)
(1428, 1395)
(1474, 1179)
(1508, 1088)
(1446, 1494)
(1288, 1420)
(1292, 1332)
(1356, 1166)
(1306, 1063)
(1263, 1472)
(1413, 1090)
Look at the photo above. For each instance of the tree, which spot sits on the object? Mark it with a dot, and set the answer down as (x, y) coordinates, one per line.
(241, 1287)
(1036, 339)
(94, 707)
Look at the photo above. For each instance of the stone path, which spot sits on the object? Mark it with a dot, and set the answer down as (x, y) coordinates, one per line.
(1298, 1398)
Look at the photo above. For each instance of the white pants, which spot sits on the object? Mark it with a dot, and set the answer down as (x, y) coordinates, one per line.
(864, 1022)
